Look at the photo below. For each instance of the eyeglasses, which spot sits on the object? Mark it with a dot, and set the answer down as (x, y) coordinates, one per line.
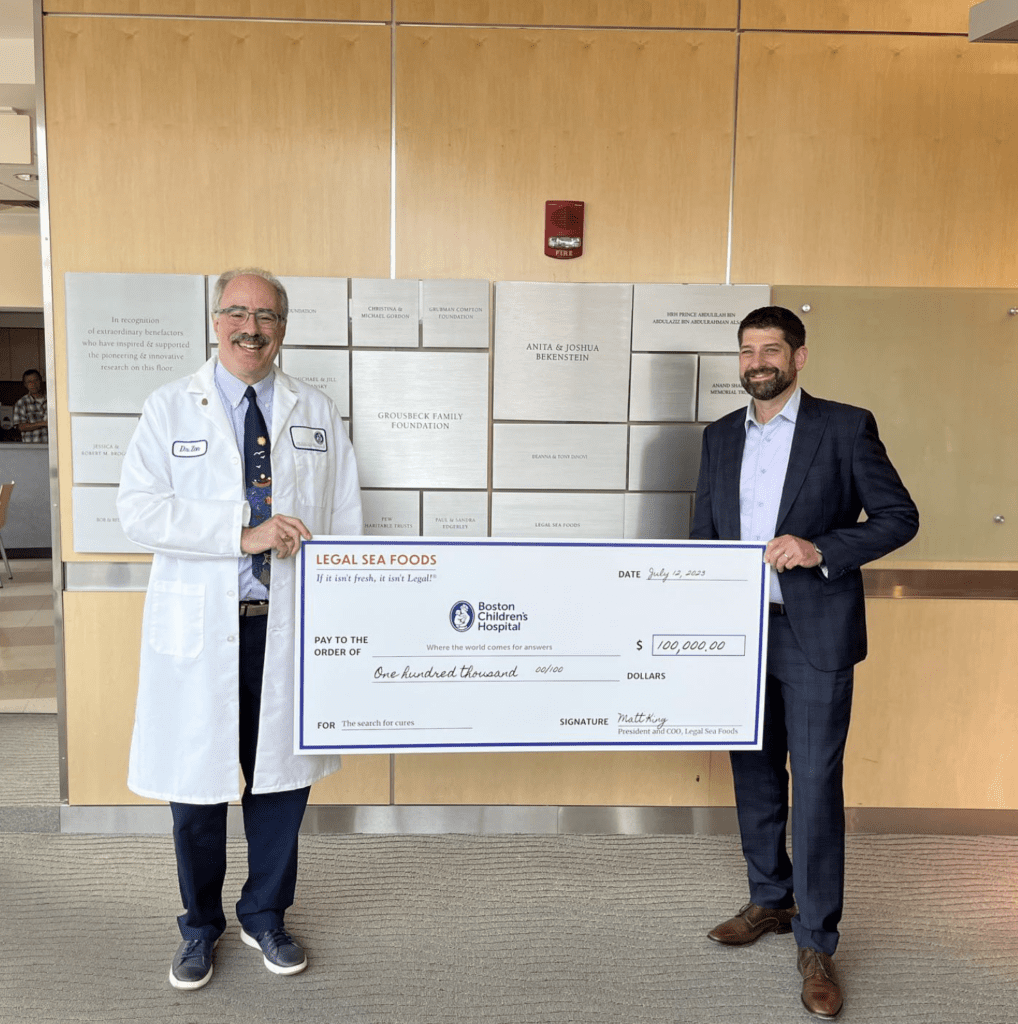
(238, 316)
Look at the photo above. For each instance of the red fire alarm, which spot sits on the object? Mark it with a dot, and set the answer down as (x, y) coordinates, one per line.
(563, 229)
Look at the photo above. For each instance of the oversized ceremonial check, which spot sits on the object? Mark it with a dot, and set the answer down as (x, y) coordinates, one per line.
(490, 644)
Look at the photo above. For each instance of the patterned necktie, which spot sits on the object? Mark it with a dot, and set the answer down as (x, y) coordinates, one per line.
(257, 477)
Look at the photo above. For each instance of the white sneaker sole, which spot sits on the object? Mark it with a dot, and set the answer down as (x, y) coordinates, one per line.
(251, 941)
(190, 986)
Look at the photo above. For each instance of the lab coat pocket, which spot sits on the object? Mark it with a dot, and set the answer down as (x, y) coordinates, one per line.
(176, 618)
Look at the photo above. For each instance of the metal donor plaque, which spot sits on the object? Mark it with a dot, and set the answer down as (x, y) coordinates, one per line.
(385, 313)
(692, 317)
(96, 522)
(323, 369)
(319, 311)
(392, 513)
(454, 314)
(664, 458)
(440, 645)
(662, 515)
(663, 387)
(455, 514)
(560, 456)
(421, 419)
(536, 514)
(129, 333)
(721, 391)
(562, 351)
(98, 445)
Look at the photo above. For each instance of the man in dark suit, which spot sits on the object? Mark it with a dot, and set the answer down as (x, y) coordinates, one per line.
(796, 471)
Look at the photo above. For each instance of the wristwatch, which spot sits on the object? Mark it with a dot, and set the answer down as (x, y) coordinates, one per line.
(820, 553)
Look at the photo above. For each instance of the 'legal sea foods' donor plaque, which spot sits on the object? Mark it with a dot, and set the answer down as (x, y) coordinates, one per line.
(420, 419)
(129, 333)
(562, 351)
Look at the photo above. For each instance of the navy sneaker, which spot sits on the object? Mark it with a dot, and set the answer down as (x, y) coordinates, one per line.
(282, 955)
(192, 964)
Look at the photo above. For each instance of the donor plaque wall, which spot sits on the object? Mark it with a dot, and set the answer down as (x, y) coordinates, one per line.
(524, 409)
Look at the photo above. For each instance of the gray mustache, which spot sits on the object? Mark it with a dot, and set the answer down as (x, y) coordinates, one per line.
(259, 339)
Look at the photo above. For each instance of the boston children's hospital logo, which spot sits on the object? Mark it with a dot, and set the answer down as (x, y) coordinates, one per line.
(461, 616)
(491, 616)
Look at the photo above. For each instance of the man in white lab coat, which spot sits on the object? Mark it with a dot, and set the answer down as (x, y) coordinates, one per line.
(216, 684)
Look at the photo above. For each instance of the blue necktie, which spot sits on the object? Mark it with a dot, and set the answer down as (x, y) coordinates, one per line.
(257, 477)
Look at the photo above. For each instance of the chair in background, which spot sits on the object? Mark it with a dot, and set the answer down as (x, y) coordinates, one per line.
(5, 500)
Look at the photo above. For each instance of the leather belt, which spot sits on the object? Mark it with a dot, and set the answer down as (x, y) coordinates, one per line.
(776, 608)
(252, 608)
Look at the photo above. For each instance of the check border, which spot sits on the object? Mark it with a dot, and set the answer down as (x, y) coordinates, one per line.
(557, 745)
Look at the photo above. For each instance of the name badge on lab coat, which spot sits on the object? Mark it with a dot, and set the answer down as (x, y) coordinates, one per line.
(309, 438)
(189, 449)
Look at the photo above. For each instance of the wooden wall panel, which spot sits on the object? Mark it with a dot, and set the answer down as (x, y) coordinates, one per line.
(20, 272)
(492, 123)
(583, 13)
(639, 779)
(937, 368)
(298, 10)
(875, 160)
(935, 707)
(858, 15)
(215, 144)
(101, 680)
(101, 688)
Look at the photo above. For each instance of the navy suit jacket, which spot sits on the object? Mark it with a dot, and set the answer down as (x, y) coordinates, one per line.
(837, 467)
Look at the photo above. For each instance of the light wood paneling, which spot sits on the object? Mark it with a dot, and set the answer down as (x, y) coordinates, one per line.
(363, 779)
(193, 146)
(298, 10)
(102, 686)
(492, 123)
(641, 779)
(101, 689)
(876, 160)
(584, 13)
(935, 707)
(20, 272)
(858, 15)
(937, 368)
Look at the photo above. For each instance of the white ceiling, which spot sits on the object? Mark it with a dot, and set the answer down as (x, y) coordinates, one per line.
(17, 90)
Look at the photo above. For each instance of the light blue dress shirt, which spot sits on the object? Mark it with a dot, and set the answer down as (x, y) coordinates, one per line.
(764, 464)
(231, 391)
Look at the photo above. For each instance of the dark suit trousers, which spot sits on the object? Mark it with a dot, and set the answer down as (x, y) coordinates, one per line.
(271, 824)
(806, 718)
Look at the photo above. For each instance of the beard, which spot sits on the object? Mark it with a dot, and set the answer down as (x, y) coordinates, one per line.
(766, 388)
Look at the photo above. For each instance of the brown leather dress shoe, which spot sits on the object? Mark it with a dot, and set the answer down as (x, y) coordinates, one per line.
(750, 923)
(820, 992)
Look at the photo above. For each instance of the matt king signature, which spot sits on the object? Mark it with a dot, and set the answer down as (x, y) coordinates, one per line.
(642, 718)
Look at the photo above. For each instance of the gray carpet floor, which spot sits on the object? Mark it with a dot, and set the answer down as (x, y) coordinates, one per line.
(508, 929)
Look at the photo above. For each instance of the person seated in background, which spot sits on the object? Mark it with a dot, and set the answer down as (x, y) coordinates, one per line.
(8, 432)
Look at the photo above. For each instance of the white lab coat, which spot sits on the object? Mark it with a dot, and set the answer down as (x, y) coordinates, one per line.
(182, 496)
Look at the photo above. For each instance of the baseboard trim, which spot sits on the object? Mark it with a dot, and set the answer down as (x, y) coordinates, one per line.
(326, 819)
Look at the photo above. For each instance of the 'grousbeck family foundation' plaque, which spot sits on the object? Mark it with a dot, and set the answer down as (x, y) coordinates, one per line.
(421, 419)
